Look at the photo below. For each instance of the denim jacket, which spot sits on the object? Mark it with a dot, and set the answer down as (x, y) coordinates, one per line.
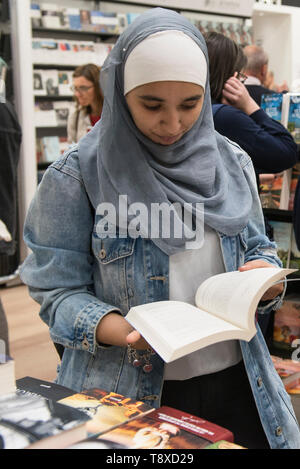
(78, 278)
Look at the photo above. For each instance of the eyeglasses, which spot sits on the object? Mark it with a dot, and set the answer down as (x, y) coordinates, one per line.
(242, 77)
(80, 89)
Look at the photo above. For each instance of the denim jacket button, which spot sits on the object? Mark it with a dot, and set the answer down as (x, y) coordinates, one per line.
(102, 254)
(278, 431)
(85, 344)
(259, 382)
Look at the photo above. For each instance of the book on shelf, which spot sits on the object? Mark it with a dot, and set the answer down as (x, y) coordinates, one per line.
(35, 15)
(85, 20)
(286, 329)
(105, 409)
(44, 115)
(7, 372)
(38, 150)
(291, 114)
(122, 22)
(65, 81)
(226, 306)
(103, 22)
(102, 50)
(163, 428)
(289, 372)
(52, 82)
(62, 110)
(275, 190)
(73, 18)
(38, 83)
(34, 422)
(272, 105)
(49, 148)
(63, 145)
(241, 34)
(52, 113)
(294, 253)
(63, 52)
(282, 233)
(51, 16)
(293, 184)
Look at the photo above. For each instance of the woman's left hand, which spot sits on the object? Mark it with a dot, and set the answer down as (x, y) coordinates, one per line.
(273, 291)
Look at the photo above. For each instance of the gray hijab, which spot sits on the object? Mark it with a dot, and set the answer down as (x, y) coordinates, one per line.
(202, 168)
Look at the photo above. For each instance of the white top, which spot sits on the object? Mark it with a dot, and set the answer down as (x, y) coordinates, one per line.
(252, 81)
(188, 270)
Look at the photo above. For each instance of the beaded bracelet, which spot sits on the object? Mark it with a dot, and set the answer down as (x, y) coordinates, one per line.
(140, 359)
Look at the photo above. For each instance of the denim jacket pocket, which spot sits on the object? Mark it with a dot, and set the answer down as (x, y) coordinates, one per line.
(111, 249)
(115, 269)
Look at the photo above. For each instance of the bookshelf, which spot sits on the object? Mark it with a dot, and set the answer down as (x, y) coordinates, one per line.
(23, 64)
(23, 33)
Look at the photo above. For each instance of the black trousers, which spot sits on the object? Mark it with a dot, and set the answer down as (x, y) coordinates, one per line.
(223, 398)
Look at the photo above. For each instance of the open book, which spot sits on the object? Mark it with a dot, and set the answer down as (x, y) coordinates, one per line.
(225, 309)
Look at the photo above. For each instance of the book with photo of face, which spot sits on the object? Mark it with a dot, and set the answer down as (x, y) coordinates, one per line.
(161, 429)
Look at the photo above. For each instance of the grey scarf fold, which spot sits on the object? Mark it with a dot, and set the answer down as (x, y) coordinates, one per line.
(202, 168)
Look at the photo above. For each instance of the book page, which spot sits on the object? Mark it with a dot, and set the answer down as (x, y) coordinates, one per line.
(234, 296)
(174, 328)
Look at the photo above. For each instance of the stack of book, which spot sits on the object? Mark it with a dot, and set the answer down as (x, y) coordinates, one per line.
(163, 428)
(115, 421)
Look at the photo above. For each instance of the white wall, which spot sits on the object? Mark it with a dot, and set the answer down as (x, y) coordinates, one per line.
(277, 30)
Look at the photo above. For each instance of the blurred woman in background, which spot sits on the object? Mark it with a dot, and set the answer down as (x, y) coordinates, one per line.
(89, 101)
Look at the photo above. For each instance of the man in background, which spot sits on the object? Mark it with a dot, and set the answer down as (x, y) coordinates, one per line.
(256, 71)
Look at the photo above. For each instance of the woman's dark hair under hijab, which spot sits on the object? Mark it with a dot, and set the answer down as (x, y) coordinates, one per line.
(225, 58)
(92, 73)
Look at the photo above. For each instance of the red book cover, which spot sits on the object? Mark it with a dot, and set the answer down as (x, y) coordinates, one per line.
(167, 428)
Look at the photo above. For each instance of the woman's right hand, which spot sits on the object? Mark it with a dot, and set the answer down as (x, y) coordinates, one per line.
(137, 342)
(236, 94)
(113, 329)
